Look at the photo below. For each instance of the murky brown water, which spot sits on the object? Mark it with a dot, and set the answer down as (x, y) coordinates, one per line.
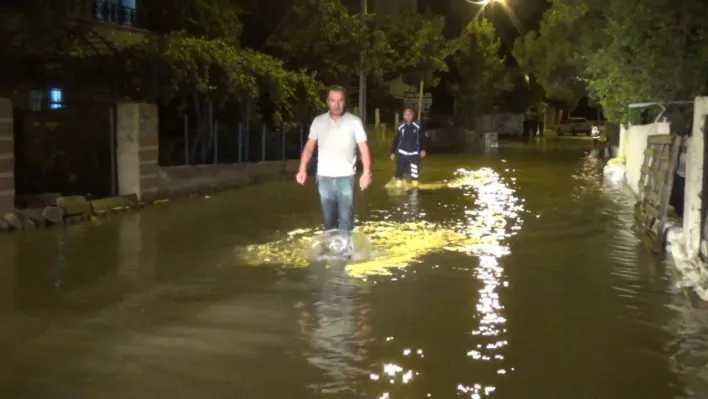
(518, 278)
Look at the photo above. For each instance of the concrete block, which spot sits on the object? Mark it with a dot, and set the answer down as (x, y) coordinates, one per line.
(14, 221)
(114, 204)
(53, 214)
(74, 205)
(5, 226)
(32, 218)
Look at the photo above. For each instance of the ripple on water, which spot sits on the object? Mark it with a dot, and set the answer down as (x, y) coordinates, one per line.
(480, 228)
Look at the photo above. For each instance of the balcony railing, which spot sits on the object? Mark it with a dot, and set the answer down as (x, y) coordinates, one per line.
(115, 12)
(119, 12)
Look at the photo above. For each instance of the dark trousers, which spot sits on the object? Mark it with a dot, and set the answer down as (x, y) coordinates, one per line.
(337, 199)
(408, 164)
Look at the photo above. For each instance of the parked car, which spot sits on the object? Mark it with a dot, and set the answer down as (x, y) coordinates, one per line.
(574, 126)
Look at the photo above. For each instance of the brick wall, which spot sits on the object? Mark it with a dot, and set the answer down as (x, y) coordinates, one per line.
(7, 158)
(149, 149)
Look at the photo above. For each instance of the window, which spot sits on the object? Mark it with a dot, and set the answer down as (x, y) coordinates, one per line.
(35, 100)
(56, 98)
(120, 12)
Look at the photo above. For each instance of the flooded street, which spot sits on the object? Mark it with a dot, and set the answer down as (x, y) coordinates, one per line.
(506, 275)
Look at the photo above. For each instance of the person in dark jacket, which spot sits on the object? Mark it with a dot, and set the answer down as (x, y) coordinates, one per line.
(410, 145)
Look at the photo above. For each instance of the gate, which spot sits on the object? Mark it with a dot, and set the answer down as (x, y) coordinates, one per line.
(68, 150)
(655, 185)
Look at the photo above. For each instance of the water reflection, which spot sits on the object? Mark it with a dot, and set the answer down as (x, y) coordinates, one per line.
(338, 330)
(482, 218)
(495, 217)
(8, 275)
(688, 350)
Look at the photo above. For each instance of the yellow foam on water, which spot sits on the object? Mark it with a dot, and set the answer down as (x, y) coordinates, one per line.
(395, 246)
(398, 245)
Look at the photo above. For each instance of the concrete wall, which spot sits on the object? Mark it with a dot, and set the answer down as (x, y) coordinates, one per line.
(137, 142)
(453, 139)
(502, 123)
(187, 179)
(7, 158)
(695, 163)
(633, 143)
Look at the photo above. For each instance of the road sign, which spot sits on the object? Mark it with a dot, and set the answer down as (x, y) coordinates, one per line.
(411, 100)
(413, 96)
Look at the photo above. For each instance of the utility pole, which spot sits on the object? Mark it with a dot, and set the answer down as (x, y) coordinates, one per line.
(362, 75)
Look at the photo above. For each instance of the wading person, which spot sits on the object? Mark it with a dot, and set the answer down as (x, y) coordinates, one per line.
(595, 134)
(337, 134)
(409, 145)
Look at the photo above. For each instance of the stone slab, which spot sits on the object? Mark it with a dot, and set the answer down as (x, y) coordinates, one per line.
(114, 204)
(53, 214)
(74, 205)
(14, 221)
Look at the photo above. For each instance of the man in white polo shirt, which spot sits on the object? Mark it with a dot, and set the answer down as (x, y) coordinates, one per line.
(337, 134)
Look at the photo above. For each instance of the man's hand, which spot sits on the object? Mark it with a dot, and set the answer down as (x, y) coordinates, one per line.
(301, 177)
(393, 156)
(364, 181)
(423, 154)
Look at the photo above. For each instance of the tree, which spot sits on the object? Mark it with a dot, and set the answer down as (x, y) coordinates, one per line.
(557, 53)
(207, 19)
(482, 74)
(205, 73)
(619, 52)
(654, 51)
(320, 36)
(413, 47)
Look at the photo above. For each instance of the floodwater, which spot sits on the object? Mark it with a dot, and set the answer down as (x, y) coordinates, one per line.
(507, 275)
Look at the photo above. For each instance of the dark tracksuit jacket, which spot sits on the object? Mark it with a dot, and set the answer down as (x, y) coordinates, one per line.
(409, 141)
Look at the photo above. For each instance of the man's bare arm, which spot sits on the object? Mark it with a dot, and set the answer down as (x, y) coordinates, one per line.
(365, 156)
(307, 154)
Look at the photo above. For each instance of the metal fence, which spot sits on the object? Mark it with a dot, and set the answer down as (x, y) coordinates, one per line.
(68, 149)
(231, 143)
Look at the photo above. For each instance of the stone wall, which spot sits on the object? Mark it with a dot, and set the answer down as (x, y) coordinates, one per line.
(186, 179)
(7, 158)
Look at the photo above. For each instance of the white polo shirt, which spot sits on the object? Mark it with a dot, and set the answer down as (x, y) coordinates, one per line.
(337, 143)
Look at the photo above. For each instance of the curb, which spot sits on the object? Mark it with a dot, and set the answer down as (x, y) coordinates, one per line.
(69, 211)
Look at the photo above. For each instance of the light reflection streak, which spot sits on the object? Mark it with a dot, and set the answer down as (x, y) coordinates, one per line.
(495, 218)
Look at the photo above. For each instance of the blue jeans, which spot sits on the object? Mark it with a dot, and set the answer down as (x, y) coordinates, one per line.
(337, 198)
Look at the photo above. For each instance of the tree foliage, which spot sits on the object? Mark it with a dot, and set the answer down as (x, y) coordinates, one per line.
(557, 53)
(416, 46)
(655, 51)
(215, 70)
(320, 36)
(207, 19)
(619, 52)
(482, 74)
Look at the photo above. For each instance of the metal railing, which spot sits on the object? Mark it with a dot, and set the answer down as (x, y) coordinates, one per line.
(232, 144)
(115, 12)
